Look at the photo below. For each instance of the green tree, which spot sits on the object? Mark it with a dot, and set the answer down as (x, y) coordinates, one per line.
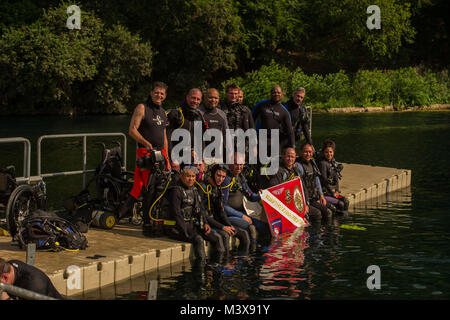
(41, 62)
(336, 33)
(195, 42)
(47, 68)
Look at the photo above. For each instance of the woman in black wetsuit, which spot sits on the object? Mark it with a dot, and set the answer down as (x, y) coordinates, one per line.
(330, 175)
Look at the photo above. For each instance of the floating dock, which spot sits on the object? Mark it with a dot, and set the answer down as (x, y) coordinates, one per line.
(123, 252)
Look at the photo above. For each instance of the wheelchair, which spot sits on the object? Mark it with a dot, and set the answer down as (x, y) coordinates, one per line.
(19, 200)
(112, 185)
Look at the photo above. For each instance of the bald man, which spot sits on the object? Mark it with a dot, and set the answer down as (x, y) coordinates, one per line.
(184, 116)
(215, 117)
(273, 115)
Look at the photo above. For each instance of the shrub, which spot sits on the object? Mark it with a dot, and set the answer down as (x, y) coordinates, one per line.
(371, 88)
(47, 68)
(338, 90)
(402, 87)
(257, 84)
(408, 88)
(437, 86)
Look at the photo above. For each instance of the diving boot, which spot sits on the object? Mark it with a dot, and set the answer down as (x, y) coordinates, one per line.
(331, 208)
(342, 207)
(125, 208)
(252, 233)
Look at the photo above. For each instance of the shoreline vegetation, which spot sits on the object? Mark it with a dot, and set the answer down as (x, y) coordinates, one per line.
(434, 107)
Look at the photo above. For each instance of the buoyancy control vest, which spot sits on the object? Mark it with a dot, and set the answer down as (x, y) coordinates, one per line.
(190, 207)
(236, 193)
(332, 174)
(286, 174)
(234, 112)
(309, 180)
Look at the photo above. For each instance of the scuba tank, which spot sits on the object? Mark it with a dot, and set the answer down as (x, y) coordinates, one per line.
(103, 219)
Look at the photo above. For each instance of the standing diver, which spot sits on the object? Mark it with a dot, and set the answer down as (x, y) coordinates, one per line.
(299, 115)
(148, 129)
(273, 115)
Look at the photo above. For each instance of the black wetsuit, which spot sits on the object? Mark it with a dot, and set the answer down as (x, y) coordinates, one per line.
(299, 119)
(312, 194)
(216, 119)
(33, 279)
(284, 174)
(185, 120)
(329, 180)
(187, 210)
(217, 218)
(329, 177)
(275, 116)
(238, 116)
(153, 125)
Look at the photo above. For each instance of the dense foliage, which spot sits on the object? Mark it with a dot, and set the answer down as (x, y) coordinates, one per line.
(365, 88)
(123, 45)
(47, 68)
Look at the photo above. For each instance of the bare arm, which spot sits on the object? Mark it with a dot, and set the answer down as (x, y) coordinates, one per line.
(136, 119)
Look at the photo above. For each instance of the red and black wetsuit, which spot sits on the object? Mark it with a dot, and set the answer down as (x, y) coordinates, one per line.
(152, 129)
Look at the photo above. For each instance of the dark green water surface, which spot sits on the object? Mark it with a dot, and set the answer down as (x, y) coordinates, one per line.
(407, 233)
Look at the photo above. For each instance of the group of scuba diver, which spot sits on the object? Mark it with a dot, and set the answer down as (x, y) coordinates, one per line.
(194, 201)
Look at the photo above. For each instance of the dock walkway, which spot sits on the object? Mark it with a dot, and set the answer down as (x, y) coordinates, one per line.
(123, 252)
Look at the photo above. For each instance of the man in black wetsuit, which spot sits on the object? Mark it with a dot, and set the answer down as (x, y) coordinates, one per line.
(299, 115)
(184, 117)
(311, 184)
(238, 115)
(25, 276)
(217, 218)
(289, 170)
(273, 115)
(187, 210)
(148, 128)
(214, 117)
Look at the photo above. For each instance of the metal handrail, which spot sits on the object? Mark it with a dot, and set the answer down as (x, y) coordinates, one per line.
(78, 135)
(309, 109)
(23, 293)
(26, 156)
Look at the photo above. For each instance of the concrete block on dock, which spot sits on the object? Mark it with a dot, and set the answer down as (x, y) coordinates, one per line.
(75, 284)
(409, 176)
(381, 188)
(91, 277)
(177, 254)
(357, 197)
(164, 257)
(395, 182)
(106, 271)
(121, 269)
(371, 192)
(151, 261)
(406, 178)
(137, 265)
(59, 282)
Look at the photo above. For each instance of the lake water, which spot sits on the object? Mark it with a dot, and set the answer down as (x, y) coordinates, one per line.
(406, 233)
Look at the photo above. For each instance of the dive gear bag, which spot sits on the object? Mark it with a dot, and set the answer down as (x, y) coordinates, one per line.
(50, 232)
